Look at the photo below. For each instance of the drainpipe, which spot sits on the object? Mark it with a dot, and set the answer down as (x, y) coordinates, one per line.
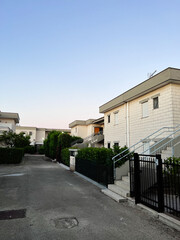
(127, 125)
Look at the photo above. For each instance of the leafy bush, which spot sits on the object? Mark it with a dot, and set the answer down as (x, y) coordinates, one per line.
(123, 152)
(11, 155)
(64, 140)
(99, 155)
(51, 143)
(30, 149)
(172, 166)
(11, 139)
(41, 150)
(65, 156)
(102, 155)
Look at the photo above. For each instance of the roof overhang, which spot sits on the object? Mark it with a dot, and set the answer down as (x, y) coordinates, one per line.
(8, 115)
(167, 76)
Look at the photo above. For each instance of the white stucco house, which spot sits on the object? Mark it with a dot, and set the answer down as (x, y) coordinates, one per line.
(150, 108)
(8, 121)
(91, 131)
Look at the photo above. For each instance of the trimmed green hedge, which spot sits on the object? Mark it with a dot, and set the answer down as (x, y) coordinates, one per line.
(99, 155)
(102, 155)
(11, 155)
(30, 149)
(65, 156)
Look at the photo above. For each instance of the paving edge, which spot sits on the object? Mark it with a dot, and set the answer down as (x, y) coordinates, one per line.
(166, 219)
(172, 222)
(113, 195)
(64, 166)
(90, 180)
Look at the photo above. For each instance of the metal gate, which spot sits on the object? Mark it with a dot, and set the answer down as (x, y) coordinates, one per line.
(155, 184)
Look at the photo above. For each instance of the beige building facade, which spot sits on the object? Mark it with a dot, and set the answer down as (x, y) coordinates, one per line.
(91, 131)
(84, 129)
(144, 109)
(8, 121)
(38, 135)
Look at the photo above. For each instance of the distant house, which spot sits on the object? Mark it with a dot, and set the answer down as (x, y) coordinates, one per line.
(143, 110)
(8, 121)
(38, 135)
(90, 130)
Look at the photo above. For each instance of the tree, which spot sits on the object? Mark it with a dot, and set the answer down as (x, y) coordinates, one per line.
(11, 139)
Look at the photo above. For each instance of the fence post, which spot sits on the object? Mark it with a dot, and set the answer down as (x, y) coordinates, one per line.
(136, 178)
(160, 184)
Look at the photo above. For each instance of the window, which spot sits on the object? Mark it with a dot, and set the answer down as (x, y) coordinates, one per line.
(116, 144)
(109, 145)
(30, 133)
(116, 120)
(109, 119)
(145, 109)
(155, 103)
(76, 130)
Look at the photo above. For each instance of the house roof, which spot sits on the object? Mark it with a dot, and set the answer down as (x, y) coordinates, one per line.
(87, 122)
(43, 129)
(99, 121)
(9, 115)
(81, 122)
(169, 75)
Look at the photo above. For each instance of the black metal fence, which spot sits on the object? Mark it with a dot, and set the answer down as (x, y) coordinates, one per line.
(99, 173)
(156, 184)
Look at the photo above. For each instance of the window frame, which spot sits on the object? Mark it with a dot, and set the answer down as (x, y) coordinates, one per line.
(116, 144)
(116, 118)
(145, 113)
(109, 118)
(154, 105)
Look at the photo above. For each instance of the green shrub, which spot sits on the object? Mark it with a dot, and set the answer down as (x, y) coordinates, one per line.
(172, 166)
(65, 156)
(102, 155)
(64, 140)
(41, 150)
(51, 144)
(11, 139)
(120, 151)
(11, 155)
(99, 155)
(30, 149)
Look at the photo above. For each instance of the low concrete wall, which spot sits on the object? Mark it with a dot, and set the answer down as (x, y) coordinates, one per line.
(122, 171)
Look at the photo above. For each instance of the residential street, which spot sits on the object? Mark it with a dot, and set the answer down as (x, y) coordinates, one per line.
(61, 205)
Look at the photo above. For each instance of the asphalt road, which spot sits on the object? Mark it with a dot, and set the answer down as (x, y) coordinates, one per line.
(61, 205)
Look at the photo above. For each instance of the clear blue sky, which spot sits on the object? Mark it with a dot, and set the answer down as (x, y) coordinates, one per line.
(61, 59)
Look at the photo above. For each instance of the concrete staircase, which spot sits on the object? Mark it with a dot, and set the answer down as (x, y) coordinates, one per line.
(120, 190)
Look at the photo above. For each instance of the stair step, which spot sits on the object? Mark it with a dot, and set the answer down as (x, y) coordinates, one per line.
(122, 184)
(125, 179)
(119, 190)
(113, 195)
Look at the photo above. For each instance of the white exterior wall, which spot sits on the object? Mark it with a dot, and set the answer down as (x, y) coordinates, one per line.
(79, 131)
(139, 127)
(27, 130)
(40, 136)
(176, 104)
(7, 123)
(115, 132)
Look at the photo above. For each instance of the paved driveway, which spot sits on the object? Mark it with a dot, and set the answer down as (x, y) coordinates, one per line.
(62, 205)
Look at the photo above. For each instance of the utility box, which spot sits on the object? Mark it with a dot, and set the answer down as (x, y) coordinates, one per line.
(73, 153)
